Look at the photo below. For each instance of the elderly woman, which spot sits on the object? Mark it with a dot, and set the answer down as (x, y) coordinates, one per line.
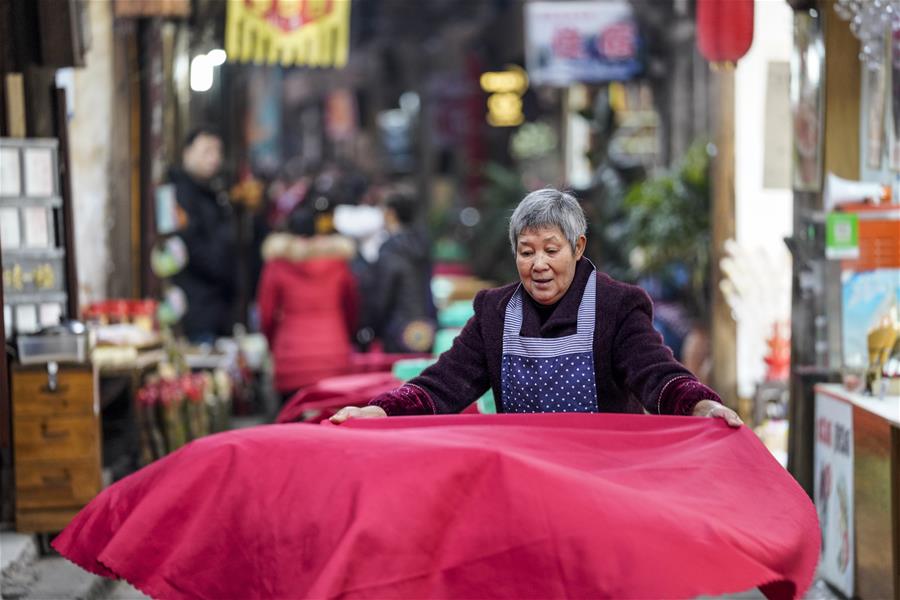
(565, 338)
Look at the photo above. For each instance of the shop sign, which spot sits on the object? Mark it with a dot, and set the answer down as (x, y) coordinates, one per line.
(571, 42)
(505, 100)
(841, 236)
(313, 33)
(834, 490)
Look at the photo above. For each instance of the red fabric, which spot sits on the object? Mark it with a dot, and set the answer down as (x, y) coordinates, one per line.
(368, 362)
(451, 269)
(331, 394)
(464, 506)
(307, 310)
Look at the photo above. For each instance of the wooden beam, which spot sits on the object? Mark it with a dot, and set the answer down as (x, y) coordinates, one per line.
(895, 505)
(6, 469)
(843, 74)
(723, 327)
(121, 239)
(135, 145)
(15, 105)
(874, 546)
(65, 171)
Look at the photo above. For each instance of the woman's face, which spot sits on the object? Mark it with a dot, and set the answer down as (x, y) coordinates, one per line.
(546, 262)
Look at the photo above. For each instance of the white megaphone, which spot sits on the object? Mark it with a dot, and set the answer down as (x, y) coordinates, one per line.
(839, 190)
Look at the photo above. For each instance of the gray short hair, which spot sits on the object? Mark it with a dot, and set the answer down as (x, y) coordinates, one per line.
(548, 208)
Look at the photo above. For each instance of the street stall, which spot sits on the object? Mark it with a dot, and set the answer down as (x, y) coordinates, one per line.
(846, 391)
(857, 482)
(54, 396)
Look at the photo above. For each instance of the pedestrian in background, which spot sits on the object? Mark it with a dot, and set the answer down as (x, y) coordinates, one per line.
(207, 229)
(403, 307)
(308, 300)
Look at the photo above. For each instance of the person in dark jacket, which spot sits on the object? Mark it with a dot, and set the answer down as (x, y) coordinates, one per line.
(207, 230)
(565, 338)
(402, 306)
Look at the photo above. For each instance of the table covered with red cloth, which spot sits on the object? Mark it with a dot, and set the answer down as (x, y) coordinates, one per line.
(377, 360)
(462, 506)
(329, 395)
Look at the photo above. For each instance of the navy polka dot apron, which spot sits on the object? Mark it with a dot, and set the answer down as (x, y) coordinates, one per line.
(554, 374)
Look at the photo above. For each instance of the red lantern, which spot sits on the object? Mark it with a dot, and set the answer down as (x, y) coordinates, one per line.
(724, 29)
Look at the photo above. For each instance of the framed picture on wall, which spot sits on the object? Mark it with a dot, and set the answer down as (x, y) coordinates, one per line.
(40, 172)
(807, 64)
(37, 226)
(26, 318)
(10, 172)
(10, 235)
(32, 236)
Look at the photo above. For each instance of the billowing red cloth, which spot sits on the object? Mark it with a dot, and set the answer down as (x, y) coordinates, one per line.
(331, 394)
(514, 506)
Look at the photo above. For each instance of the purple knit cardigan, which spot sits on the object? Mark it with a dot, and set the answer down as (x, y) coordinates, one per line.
(635, 371)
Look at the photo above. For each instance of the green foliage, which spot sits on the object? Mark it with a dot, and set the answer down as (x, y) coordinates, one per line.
(490, 255)
(664, 220)
(668, 223)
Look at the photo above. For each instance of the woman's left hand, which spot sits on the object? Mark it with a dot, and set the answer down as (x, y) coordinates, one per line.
(711, 408)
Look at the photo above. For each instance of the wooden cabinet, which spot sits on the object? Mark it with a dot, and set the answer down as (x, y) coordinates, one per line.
(56, 444)
(870, 472)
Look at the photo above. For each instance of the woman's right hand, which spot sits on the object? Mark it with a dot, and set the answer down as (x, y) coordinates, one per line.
(357, 412)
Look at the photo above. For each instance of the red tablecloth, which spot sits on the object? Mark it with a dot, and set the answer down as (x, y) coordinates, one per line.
(330, 395)
(370, 362)
(514, 506)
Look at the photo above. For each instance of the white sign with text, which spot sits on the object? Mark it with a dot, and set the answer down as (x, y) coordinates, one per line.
(834, 490)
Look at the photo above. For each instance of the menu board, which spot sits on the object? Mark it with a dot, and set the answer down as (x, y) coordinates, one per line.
(34, 286)
(834, 491)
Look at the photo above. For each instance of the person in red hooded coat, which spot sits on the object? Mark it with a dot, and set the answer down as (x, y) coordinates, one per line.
(308, 302)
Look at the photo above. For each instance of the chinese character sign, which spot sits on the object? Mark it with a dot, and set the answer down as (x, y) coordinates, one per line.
(570, 42)
(834, 490)
(312, 33)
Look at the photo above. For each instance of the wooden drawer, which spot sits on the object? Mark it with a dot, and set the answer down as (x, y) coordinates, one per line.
(44, 520)
(73, 396)
(53, 438)
(60, 484)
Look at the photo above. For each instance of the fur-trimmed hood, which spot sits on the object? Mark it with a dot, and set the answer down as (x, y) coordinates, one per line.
(297, 249)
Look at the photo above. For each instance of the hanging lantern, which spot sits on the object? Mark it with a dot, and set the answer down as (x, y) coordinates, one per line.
(724, 29)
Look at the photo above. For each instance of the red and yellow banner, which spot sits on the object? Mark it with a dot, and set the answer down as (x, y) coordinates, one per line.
(314, 33)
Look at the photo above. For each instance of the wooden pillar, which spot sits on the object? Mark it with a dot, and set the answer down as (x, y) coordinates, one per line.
(61, 125)
(843, 73)
(121, 283)
(723, 327)
(135, 146)
(841, 152)
(14, 103)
